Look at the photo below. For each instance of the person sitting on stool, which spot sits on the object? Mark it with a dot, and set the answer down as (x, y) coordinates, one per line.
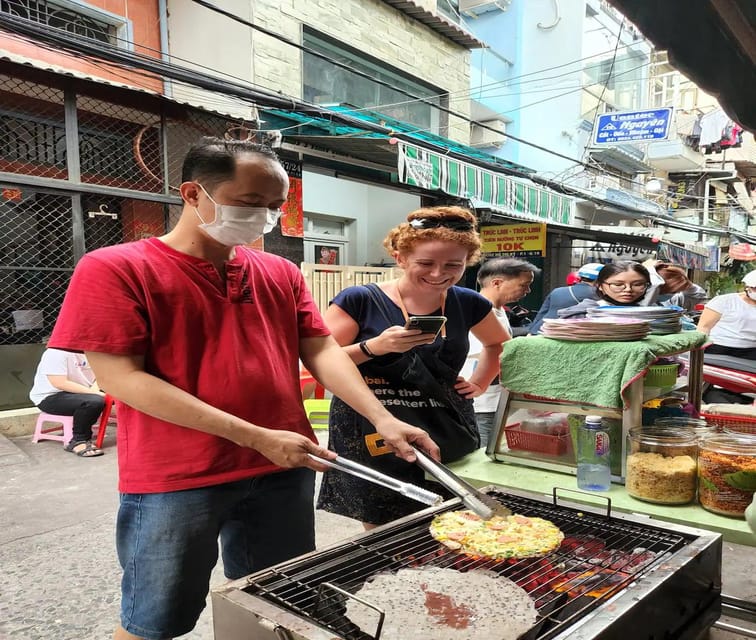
(64, 385)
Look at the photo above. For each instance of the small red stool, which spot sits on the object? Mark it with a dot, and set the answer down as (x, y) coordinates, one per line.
(305, 380)
(104, 417)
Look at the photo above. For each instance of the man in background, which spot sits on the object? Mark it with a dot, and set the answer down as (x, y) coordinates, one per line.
(563, 297)
(503, 281)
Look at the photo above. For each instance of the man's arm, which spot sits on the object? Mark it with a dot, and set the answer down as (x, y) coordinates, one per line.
(126, 380)
(336, 371)
(535, 326)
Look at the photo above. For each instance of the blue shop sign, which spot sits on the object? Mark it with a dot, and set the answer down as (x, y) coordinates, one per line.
(632, 126)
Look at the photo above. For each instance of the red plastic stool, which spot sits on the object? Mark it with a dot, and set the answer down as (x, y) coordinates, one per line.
(104, 417)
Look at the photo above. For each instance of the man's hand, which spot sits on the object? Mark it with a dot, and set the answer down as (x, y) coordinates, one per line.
(399, 435)
(287, 449)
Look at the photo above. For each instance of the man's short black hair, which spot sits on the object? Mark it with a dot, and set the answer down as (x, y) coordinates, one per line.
(505, 268)
(211, 161)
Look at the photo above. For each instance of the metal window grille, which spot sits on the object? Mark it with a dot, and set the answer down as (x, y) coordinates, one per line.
(36, 261)
(119, 146)
(47, 226)
(32, 129)
(60, 17)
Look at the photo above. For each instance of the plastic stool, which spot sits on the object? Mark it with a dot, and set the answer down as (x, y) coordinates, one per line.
(104, 417)
(64, 422)
(317, 411)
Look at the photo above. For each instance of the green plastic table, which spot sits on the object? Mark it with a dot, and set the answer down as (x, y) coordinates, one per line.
(479, 470)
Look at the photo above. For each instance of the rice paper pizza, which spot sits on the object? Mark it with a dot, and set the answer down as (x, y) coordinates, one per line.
(434, 603)
(515, 536)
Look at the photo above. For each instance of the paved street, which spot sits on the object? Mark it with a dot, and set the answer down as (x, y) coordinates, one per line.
(60, 575)
(59, 570)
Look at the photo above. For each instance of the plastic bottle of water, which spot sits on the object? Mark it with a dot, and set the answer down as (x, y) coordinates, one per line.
(593, 472)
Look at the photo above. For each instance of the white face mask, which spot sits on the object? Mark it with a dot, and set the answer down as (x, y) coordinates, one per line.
(751, 294)
(233, 225)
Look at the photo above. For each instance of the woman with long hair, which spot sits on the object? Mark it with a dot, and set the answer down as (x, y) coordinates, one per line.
(622, 284)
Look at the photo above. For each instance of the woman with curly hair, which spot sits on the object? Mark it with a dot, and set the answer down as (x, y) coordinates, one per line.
(414, 374)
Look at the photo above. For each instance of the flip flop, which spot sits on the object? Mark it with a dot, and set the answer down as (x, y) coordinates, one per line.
(89, 450)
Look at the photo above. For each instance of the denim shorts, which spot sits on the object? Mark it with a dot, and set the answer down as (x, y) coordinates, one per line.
(168, 544)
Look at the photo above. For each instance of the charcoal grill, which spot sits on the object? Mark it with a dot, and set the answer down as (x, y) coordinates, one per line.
(612, 574)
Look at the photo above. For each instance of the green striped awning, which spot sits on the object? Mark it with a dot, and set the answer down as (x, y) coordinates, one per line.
(422, 168)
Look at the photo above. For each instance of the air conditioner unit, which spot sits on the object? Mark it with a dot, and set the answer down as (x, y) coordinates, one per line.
(483, 136)
(473, 8)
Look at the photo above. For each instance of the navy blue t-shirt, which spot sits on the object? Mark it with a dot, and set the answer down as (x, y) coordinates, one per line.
(464, 308)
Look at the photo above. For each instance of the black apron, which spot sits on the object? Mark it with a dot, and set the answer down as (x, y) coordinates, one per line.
(418, 388)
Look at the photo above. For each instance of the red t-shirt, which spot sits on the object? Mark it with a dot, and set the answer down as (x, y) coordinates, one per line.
(234, 345)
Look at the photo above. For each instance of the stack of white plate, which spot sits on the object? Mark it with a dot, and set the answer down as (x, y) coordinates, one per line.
(663, 320)
(609, 329)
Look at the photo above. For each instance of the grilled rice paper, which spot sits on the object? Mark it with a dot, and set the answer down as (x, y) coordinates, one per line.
(434, 603)
(516, 536)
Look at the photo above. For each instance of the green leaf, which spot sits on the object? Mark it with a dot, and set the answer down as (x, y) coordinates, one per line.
(742, 480)
(708, 484)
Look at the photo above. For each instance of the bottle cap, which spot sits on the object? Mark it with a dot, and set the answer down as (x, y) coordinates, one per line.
(593, 419)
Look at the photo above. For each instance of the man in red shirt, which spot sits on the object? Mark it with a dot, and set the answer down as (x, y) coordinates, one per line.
(199, 339)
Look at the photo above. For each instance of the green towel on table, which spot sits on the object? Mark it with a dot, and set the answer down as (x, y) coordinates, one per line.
(586, 372)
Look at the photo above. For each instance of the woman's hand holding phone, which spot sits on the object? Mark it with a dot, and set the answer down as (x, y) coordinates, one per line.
(426, 324)
(397, 339)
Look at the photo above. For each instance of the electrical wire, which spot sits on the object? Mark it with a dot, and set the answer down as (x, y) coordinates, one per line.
(252, 102)
(378, 81)
(239, 19)
(608, 79)
(65, 44)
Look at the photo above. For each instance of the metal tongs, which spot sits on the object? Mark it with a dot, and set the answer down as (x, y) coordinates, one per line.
(478, 502)
(371, 475)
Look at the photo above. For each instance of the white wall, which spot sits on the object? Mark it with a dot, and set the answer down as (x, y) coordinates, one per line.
(372, 211)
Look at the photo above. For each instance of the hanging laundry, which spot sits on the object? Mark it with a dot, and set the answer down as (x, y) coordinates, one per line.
(712, 127)
(696, 132)
(732, 136)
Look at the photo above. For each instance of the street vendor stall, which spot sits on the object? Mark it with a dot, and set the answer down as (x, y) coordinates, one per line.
(542, 376)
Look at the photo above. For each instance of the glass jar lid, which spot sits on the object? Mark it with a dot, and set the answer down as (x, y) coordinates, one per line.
(683, 421)
(660, 434)
(730, 443)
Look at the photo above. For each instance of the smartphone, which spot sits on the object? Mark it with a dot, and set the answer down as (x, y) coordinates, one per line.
(427, 324)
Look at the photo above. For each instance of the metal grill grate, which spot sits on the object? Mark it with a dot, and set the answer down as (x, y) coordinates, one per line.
(598, 558)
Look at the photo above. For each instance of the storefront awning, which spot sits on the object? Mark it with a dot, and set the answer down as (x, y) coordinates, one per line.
(486, 189)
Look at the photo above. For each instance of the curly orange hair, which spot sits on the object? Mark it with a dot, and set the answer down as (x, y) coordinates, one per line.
(404, 237)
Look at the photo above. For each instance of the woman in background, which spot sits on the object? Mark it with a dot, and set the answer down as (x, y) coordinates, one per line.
(64, 385)
(622, 284)
(730, 321)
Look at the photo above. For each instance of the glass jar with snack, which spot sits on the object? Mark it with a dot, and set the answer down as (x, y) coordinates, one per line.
(727, 473)
(661, 464)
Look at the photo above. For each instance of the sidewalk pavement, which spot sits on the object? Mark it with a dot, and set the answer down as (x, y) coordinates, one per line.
(59, 575)
(59, 572)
